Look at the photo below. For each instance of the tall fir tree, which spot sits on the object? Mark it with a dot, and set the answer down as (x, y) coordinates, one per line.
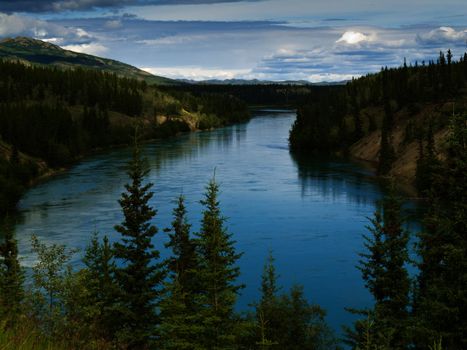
(102, 291)
(383, 268)
(441, 297)
(217, 275)
(138, 274)
(267, 318)
(178, 308)
(182, 265)
(11, 277)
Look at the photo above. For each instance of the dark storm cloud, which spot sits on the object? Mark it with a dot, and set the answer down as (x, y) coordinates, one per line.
(76, 5)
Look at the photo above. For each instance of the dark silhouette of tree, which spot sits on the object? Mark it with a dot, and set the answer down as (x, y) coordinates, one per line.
(138, 273)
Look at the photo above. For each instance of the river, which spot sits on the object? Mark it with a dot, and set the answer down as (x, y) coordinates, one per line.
(310, 212)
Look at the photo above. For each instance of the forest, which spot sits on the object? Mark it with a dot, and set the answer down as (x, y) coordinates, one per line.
(51, 117)
(124, 296)
(404, 108)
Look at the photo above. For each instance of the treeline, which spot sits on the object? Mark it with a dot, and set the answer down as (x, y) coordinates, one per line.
(427, 310)
(50, 117)
(343, 116)
(84, 87)
(217, 108)
(257, 95)
(126, 297)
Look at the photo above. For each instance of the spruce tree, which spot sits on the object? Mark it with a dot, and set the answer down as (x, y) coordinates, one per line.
(138, 274)
(441, 298)
(217, 275)
(178, 307)
(385, 275)
(182, 264)
(267, 317)
(11, 277)
(99, 281)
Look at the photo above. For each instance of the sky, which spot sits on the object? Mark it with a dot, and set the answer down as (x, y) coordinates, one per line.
(314, 40)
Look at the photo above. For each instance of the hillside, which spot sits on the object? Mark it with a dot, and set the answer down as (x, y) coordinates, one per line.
(49, 118)
(396, 119)
(32, 51)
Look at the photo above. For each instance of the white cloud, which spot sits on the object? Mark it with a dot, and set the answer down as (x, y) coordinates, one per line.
(15, 25)
(113, 24)
(197, 73)
(353, 38)
(442, 35)
(91, 48)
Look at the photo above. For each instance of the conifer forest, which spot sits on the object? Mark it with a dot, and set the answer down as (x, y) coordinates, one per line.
(314, 201)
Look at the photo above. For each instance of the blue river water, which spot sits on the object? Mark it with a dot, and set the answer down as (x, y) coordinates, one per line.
(311, 212)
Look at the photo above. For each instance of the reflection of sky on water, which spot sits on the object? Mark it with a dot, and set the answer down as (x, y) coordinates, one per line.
(310, 212)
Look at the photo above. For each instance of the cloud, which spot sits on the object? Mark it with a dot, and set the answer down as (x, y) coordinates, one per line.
(353, 38)
(442, 35)
(14, 25)
(79, 5)
(197, 73)
(113, 24)
(70, 38)
(91, 48)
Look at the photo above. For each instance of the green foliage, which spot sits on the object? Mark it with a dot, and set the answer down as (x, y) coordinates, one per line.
(178, 307)
(92, 308)
(138, 274)
(383, 268)
(11, 277)
(217, 274)
(59, 115)
(326, 110)
(50, 275)
(288, 321)
(441, 295)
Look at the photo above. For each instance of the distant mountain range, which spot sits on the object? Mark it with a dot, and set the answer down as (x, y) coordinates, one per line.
(33, 51)
(260, 82)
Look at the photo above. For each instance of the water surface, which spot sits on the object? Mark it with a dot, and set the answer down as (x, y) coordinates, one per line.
(310, 212)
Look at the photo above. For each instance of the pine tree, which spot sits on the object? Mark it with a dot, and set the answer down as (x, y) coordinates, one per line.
(178, 307)
(385, 275)
(217, 275)
(11, 277)
(182, 264)
(267, 317)
(101, 289)
(441, 298)
(289, 321)
(138, 274)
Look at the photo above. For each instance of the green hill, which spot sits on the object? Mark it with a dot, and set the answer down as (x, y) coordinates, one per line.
(37, 52)
(394, 119)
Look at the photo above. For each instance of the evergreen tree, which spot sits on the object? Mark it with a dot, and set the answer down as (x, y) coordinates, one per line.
(99, 281)
(441, 298)
(289, 321)
(385, 275)
(178, 308)
(11, 277)
(182, 264)
(138, 274)
(217, 275)
(267, 317)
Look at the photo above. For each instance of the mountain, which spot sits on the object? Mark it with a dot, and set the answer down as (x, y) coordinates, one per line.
(33, 51)
(261, 82)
